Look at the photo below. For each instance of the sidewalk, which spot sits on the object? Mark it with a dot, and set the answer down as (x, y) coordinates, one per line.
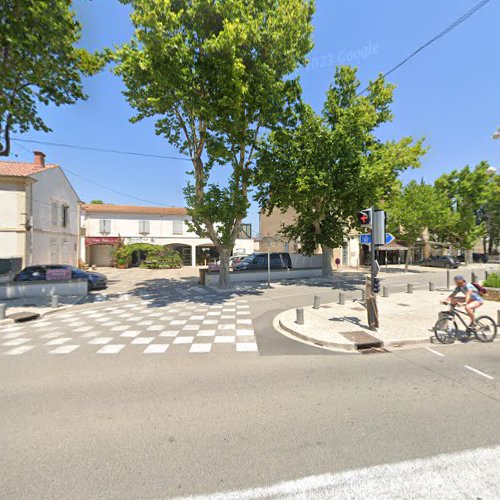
(404, 319)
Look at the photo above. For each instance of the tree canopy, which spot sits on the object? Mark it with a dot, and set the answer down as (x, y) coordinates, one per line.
(213, 75)
(39, 63)
(326, 167)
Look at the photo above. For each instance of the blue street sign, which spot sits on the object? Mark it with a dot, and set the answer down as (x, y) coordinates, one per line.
(366, 239)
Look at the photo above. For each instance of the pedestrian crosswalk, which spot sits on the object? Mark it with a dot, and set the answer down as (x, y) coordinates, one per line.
(141, 326)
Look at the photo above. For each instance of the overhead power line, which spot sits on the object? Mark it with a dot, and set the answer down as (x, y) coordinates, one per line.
(444, 32)
(102, 150)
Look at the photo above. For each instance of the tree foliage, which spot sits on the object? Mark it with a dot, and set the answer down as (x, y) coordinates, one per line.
(326, 167)
(468, 193)
(39, 63)
(213, 74)
(417, 208)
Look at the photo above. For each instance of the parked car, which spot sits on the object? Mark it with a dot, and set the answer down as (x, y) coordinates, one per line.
(254, 261)
(235, 259)
(441, 261)
(476, 257)
(96, 281)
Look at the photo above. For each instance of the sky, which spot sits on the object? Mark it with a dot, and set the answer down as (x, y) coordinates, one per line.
(449, 94)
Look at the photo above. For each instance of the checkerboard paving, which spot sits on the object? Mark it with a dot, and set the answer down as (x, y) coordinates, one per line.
(142, 327)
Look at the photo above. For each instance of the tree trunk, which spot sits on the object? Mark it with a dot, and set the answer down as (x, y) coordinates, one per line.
(327, 271)
(224, 279)
(468, 257)
(408, 258)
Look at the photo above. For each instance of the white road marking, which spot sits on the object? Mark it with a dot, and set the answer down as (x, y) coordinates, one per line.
(437, 353)
(58, 341)
(246, 347)
(474, 477)
(183, 340)
(155, 349)
(19, 350)
(479, 372)
(64, 349)
(142, 340)
(230, 339)
(17, 341)
(200, 348)
(111, 349)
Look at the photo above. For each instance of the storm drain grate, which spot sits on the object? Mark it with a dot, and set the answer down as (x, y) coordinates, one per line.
(21, 317)
(362, 340)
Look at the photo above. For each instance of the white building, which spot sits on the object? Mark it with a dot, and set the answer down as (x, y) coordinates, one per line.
(39, 215)
(103, 226)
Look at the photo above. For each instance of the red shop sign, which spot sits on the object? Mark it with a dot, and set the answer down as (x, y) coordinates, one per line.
(101, 240)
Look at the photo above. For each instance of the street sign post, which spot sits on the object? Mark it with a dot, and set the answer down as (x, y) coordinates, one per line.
(366, 239)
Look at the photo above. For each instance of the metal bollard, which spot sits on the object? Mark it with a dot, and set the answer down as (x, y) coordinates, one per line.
(486, 274)
(385, 291)
(409, 288)
(473, 277)
(3, 308)
(317, 301)
(54, 301)
(363, 294)
(341, 298)
(498, 317)
(448, 281)
(431, 286)
(300, 316)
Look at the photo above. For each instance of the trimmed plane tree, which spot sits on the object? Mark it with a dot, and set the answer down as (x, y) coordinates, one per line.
(416, 208)
(326, 167)
(213, 75)
(39, 63)
(469, 192)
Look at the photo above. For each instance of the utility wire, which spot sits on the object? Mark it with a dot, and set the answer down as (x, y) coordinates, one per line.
(444, 32)
(101, 150)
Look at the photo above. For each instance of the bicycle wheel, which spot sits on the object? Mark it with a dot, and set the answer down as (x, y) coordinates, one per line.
(445, 330)
(486, 329)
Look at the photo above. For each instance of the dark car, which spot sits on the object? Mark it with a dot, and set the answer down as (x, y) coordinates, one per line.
(255, 261)
(96, 281)
(476, 257)
(441, 261)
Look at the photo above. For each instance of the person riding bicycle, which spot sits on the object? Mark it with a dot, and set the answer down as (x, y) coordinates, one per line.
(472, 299)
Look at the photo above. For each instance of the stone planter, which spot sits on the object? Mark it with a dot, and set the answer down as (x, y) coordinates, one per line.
(493, 294)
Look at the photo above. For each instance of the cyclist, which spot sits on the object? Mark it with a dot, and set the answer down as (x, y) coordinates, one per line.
(472, 299)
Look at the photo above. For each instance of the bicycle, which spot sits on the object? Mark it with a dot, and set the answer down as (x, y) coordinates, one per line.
(446, 328)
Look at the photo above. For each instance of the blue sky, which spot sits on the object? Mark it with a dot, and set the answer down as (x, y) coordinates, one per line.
(449, 93)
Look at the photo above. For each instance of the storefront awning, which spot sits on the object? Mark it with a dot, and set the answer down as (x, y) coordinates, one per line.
(392, 247)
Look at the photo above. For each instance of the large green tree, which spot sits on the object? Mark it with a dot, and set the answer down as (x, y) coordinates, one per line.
(417, 208)
(469, 192)
(39, 63)
(328, 166)
(213, 74)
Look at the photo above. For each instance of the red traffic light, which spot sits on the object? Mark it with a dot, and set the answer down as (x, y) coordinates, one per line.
(364, 217)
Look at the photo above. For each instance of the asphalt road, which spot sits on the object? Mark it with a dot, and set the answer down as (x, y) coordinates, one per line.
(81, 425)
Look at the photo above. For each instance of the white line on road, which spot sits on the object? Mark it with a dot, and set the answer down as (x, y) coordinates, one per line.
(474, 476)
(479, 372)
(437, 353)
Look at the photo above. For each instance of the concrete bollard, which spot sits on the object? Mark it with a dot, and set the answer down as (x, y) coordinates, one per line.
(317, 301)
(54, 301)
(385, 291)
(448, 280)
(300, 316)
(409, 288)
(341, 298)
(3, 308)
(431, 286)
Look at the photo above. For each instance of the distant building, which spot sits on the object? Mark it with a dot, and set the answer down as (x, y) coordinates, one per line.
(271, 225)
(39, 215)
(104, 226)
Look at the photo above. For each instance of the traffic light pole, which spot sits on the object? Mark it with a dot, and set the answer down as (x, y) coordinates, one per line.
(371, 297)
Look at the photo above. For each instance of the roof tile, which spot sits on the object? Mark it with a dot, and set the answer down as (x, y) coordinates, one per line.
(21, 169)
(133, 209)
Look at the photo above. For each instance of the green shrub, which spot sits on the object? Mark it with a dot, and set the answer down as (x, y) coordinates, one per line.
(162, 258)
(493, 281)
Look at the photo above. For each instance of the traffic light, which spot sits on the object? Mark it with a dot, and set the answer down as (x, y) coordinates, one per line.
(365, 217)
(376, 285)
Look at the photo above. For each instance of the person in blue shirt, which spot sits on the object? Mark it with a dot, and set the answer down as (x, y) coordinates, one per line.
(472, 299)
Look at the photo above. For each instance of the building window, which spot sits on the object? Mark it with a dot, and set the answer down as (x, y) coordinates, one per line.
(143, 227)
(54, 213)
(245, 231)
(104, 226)
(178, 227)
(65, 216)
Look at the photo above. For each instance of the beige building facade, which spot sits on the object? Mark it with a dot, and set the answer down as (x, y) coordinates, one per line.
(39, 215)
